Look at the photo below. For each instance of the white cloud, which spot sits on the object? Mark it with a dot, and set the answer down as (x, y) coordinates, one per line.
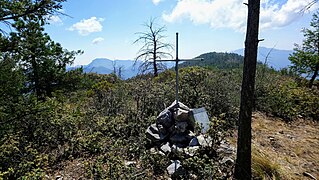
(233, 14)
(156, 1)
(97, 40)
(87, 26)
(55, 20)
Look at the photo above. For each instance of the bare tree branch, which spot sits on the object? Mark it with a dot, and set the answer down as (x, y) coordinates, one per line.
(153, 47)
(267, 56)
(308, 6)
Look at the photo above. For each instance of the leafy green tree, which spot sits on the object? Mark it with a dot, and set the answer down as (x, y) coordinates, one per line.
(305, 58)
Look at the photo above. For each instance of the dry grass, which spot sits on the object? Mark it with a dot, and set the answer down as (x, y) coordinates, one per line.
(263, 167)
(287, 149)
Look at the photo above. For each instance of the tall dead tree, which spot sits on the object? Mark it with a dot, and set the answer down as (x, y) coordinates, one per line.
(243, 160)
(154, 48)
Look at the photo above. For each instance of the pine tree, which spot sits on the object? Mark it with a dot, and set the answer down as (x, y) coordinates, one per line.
(243, 159)
(43, 60)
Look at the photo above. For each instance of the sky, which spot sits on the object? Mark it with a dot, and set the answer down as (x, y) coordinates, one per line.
(107, 28)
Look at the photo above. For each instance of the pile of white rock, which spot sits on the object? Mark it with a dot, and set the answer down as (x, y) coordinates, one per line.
(173, 125)
(174, 131)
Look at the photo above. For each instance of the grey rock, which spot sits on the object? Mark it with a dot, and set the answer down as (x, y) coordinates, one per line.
(166, 148)
(181, 127)
(165, 118)
(225, 148)
(204, 141)
(174, 105)
(227, 151)
(180, 138)
(162, 129)
(177, 148)
(181, 115)
(194, 142)
(128, 163)
(153, 151)
(175, 168)
(154, 128)
(191, 134)
(227, 160)
(154, 135)
(191, 150)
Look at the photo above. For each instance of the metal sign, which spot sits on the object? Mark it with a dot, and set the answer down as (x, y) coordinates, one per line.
(200, 116)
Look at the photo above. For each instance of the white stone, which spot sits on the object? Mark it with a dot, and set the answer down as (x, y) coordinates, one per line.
(204, 141)
(175, 168)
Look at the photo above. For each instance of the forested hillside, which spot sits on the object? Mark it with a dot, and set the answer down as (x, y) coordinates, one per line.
(218, 60)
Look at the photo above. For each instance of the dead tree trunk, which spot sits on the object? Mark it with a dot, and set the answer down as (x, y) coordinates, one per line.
(154, 57)
(243, 160)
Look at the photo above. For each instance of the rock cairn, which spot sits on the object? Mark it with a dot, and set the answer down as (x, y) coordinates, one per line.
(174, 126)
(173, 132)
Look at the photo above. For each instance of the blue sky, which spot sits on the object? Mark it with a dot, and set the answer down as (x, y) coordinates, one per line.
(106, 28)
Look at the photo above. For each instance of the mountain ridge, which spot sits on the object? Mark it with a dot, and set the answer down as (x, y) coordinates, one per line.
(276, 58)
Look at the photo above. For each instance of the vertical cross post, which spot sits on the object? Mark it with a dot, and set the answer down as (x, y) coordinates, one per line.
(176, 70)
(176, 85)
(177, 60)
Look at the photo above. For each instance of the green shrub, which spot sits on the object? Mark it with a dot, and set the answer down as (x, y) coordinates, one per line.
(289, 101)
(104, 121)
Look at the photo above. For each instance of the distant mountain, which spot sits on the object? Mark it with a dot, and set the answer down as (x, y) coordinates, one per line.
(217, 59)
(277, 58)
(106, 66)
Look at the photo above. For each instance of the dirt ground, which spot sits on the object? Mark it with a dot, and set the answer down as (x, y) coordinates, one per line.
(292, 147)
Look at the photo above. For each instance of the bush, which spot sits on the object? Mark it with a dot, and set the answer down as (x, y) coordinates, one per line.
(284, 98)
(105, 119)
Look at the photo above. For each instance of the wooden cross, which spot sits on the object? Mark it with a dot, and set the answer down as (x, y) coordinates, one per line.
(176, 66)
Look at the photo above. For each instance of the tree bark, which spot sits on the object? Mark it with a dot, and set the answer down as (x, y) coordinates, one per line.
(243, 160)
(315, 74)
(154, 60)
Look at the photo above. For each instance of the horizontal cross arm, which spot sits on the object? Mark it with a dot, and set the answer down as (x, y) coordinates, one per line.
(194, 59)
